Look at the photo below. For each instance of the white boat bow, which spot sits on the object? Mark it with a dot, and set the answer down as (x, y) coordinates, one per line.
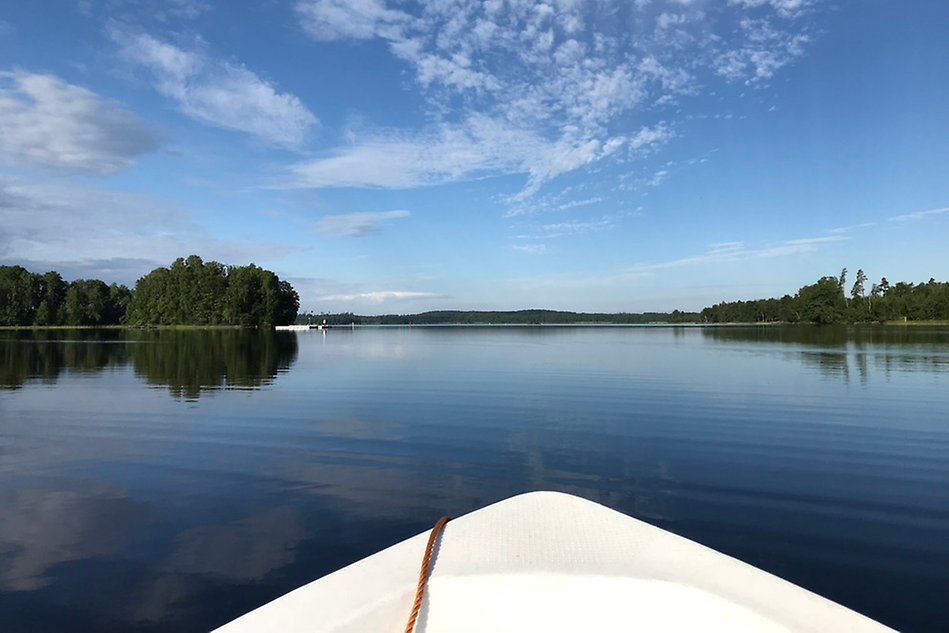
(552, 562)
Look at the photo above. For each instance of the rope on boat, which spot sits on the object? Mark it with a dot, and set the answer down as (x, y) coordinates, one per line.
(423, 573)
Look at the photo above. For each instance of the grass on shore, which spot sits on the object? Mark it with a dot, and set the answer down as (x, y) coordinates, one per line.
(929, 322)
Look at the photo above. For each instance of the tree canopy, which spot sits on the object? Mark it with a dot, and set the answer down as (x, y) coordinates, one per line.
(194, 292)
(824, 302)
(189, 292)
(32, 299)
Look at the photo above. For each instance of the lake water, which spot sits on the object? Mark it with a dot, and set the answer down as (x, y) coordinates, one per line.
(173, 480)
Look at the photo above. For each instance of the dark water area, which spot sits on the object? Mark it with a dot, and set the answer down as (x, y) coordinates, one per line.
(173, 480)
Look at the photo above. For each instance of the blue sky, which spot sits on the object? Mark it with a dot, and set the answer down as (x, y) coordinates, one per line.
(506, 154)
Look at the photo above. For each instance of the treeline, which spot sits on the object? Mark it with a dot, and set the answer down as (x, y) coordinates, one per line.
(189, 292)
(32, 299)
(827, 302)
(513, 317)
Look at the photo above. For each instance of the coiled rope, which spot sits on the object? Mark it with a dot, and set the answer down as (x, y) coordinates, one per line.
(423, 573)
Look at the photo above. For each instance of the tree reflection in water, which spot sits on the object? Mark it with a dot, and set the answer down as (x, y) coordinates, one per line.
(186, 361)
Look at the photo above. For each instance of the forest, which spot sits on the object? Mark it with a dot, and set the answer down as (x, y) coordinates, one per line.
(512, 317)
(189, 292)
(827, 301)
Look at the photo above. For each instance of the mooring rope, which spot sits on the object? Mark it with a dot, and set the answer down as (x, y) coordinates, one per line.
(423, 573)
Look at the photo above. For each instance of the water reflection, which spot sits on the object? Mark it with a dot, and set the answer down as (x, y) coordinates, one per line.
(188, 362)
(745, 439)
(185, 361)
(44, 354)
(840, 351)
(831, 364)
(209, 557)
(42, 528)
(241, 551)
(832, 336)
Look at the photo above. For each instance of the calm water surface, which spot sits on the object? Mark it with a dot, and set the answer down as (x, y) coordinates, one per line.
(161, 481)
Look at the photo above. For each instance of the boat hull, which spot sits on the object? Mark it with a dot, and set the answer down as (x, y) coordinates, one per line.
(552, 562)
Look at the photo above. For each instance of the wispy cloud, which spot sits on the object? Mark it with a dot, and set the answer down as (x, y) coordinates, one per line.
(658, 177)
(380, 296)
(478, 146)
(555, 230)
(48, 122)
(784, 8)
(221, 93)
(350, 19)
(357, 224)
(851, 227)
(540, 89)
(919, 215)
(556, 202)
(724, 247)
(180, 8)
(141, 11)
(531, 249)
(737, 251)
(765, 49)
(578, 227)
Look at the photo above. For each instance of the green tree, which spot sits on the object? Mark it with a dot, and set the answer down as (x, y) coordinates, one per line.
(858, 290)
(859, 304)
(52, 296)
(824, 301)
(87, 303)
(18, 295)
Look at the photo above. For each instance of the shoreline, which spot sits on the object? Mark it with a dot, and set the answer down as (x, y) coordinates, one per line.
(769, 324)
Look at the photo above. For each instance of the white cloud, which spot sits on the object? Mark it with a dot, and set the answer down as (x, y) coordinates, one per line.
(478, 146)
(357, 224)
(726, 247)
(185, 8)
(146, 10)
(651, 137)
(540, 89)
(395, 160)
(919, 215)
(115, 235)
(48, 122)
(562, 201)
(658, 177)
(784, 8)
(329, 20)
(531, 249)
(764, 51)
(380, 296)
(737, 251)
(559, 228)
(221, 93)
